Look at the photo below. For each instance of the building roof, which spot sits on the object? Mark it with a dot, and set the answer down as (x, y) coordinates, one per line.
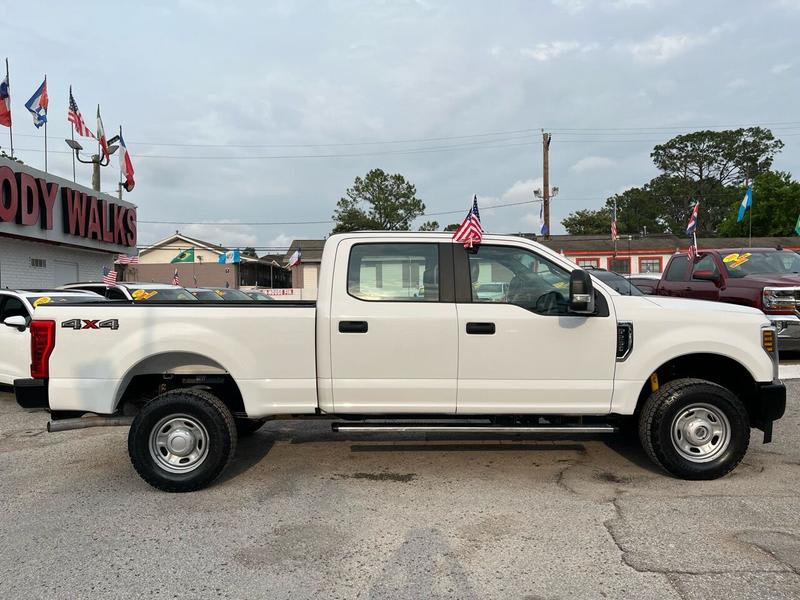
(179, 237)
(310, 250)
(656, 244)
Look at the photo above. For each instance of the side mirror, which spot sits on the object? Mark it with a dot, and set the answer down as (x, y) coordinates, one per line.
(581, 293)
(18, 321)
(706, 275)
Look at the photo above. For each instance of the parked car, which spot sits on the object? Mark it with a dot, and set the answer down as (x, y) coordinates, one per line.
(764, 278)
(220, 295)
(16, 310)
(132, 291)
(565, 354)
(259, 296)
(646, 282)
(494, 291)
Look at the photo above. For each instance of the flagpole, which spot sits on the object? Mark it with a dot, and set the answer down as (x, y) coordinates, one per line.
(616, 226)
(750, 235)
(11, 118)
(45, 128)
(72, 133)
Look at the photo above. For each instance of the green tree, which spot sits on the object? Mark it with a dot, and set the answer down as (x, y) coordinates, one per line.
(588, 222)
(429, 226)
(452, 227)
(776, 205)
(378, 201)
(250, 251)
(728, 157)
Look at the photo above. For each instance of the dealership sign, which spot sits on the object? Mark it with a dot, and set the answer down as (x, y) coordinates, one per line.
(39, 206)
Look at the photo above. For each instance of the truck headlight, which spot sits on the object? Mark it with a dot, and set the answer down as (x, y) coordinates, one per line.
(768, 340)
(779, 298)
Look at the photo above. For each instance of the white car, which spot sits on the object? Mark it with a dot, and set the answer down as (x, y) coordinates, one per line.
(16, 309)
(561, 354)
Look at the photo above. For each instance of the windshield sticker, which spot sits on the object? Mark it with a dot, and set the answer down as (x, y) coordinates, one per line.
(42, 300)
(735, 260)
(140, 295)
(220, 293)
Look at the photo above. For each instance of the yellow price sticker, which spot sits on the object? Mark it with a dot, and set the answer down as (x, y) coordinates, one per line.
(140, 295)
(736, 260)
(560, 284)
(42, 300)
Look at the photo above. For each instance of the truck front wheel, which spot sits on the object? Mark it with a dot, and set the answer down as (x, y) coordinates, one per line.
(182, 440)
(694, 429)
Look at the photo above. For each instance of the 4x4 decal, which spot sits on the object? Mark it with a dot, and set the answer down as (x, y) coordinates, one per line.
(90, 324)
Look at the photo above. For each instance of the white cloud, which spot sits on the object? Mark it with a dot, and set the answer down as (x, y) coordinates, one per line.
(781, 68)
(738, 83)
(590, 163)
(571, 6)
(232, 237)
(545, 51)
(279, 242)
(521, 191)
(661, 48)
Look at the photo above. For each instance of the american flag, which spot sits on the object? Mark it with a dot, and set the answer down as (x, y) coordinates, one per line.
(176, 280)
(470, 232)
(124, 259)
(692, 251)
(614, 222)
(109, 276)
(74, 116)
(692, 226)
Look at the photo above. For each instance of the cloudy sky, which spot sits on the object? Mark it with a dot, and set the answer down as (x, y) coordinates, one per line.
(266, 111)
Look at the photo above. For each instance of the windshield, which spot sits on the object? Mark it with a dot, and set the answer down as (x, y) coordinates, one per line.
(260, 297)
(230, 295)
(144, 294)
(207, 295)
(751, 262)
(617, 282)
(72, 299)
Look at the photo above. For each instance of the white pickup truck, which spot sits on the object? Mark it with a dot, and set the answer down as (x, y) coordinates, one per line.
(401, 338)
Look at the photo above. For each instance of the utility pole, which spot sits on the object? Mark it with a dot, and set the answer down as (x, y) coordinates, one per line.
(547, 193)
(546, 182)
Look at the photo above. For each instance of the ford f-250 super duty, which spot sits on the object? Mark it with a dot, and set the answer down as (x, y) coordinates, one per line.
(400, 338)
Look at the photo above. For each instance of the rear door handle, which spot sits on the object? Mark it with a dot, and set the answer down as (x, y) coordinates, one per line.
(480, 328)
(353, 327)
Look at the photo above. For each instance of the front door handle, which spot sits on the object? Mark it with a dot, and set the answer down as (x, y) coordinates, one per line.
(480, 328)
(353, 327)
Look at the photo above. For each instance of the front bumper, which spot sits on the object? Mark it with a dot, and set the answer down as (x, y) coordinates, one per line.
(788, 329)
(31, 393)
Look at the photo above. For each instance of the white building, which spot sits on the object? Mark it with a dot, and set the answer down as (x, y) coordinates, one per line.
(53, 231)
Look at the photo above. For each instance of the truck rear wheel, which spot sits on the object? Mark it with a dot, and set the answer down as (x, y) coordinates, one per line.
(182, 440)
(694, 429)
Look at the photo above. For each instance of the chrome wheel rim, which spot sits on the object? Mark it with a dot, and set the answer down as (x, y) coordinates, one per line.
(179, 443)
(700, 433)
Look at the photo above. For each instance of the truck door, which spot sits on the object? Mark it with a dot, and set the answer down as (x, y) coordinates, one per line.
(525, 353)
(704, 289)
(393, 328)
(675, 281)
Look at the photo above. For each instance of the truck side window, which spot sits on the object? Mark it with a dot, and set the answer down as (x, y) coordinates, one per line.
(705, 264)
(678, 268)
(394, 272)
(517, 276)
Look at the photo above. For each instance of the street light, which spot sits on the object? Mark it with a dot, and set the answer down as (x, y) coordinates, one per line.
(96, 160)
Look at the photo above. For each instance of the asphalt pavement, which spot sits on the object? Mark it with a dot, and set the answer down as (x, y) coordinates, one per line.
(306, 513)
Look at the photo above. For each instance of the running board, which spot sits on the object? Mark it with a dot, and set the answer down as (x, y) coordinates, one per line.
(441, 428)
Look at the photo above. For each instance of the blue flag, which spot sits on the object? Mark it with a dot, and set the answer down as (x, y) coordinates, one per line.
(747, 202)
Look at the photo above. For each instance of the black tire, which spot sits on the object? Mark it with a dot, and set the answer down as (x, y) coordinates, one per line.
(246, 427)
(670, 405)
(210, 425)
